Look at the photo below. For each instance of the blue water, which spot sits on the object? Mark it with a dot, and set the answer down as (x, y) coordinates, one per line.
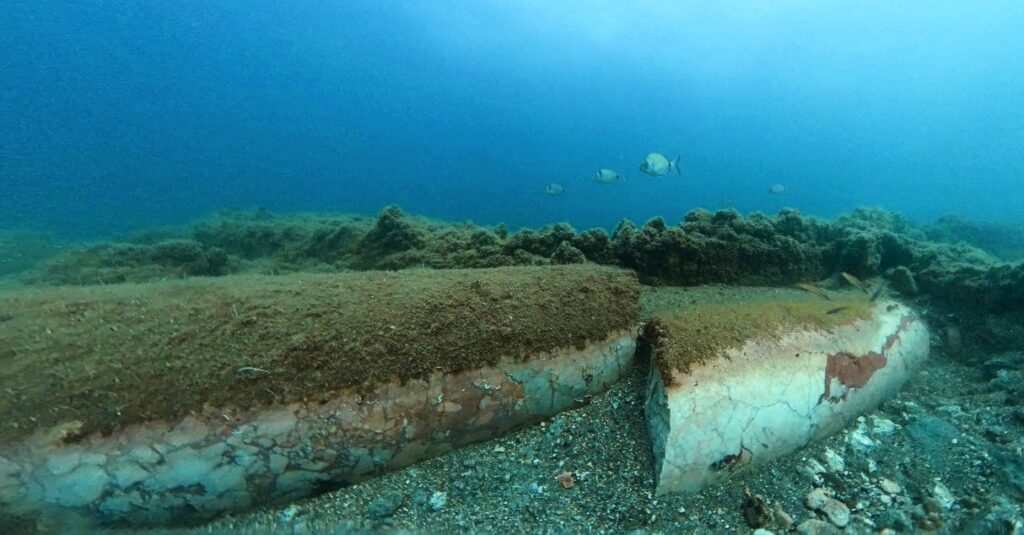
(121, 115)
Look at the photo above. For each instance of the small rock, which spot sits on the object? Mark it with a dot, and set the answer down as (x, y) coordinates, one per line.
(889, 486)
(815, 467)
(288, 514)
(883, 427)
(566, 479)
(782, 518)
(385, 506)
(437, 500)
(860, 441)
(931, 436)
(762, 531)
(951, 410)
(894, 519)
(755, 509)
(808, 473)
(499, 449)
(814, 526)
(469, 463)
(834, 460)
(902, 280)
(836, 511)
(942, 496)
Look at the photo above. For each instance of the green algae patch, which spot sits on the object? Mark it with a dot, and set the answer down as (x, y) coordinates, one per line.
(129, 353)
(687, 326)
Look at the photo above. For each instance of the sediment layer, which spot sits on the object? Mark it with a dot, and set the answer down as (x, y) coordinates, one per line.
(114, 356)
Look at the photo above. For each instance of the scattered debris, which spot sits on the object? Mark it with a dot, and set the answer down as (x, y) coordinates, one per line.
(890, 487)
(249, 372)
(437, 500)
(942, 496)
(386, 505)
(834, 460)
(755, 509)
(836, 511)
(566, 479)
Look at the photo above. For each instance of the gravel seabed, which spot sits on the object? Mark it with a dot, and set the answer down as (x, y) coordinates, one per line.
(946, 455)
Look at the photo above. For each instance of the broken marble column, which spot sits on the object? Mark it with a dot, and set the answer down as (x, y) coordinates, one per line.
(269, 410)
(230, 460)
(756, 399)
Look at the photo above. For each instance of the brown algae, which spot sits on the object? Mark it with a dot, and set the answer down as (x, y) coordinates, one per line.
(689, 326)
(130, 353)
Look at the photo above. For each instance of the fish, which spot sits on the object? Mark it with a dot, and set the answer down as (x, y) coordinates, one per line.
(878, 293)
(836, 310)
(656, 164)
(810, 288)
(777, 189)
(554, 190)
(607, 176)
(855, 282)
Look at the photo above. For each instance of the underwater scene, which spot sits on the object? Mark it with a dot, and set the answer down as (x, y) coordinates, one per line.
(511, 266)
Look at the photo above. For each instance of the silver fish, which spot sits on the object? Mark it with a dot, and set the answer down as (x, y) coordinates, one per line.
(777, 189)
(554, 190)
(607, 176)
(656, 164)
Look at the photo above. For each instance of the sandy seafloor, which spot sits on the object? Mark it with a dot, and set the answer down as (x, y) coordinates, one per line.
(957, 426)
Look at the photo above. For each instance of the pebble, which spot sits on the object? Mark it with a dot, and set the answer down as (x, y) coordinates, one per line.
(783, 518)
(883, 427)
(836, 511)
(814, 526)
(860, 441)
(385, 506)
(834, 460)
(942, 495)
(762, 531)
(889, 486)
(288, 514)
(438, 500)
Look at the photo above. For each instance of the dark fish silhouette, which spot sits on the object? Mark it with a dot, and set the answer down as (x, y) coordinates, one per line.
(810, 288)
(855, 282)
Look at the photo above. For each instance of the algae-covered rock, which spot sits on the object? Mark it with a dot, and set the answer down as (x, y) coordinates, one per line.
(705, 247)
(1004, 240)
(121, 262)
(902, 280)
(567, 254)
(391, 234)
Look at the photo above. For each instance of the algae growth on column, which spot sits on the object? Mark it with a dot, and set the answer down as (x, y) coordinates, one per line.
(155, 403)
(740, 376)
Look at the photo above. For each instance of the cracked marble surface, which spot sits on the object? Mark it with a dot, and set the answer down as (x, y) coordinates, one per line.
(771, 397)
(230, 460)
